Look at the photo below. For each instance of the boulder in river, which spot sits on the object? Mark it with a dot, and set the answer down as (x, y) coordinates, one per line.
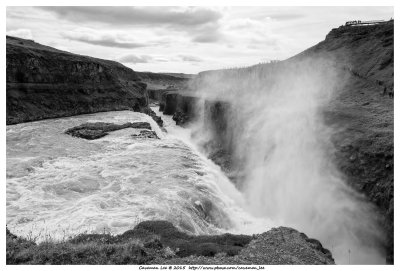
(97, 130)
(180, 118)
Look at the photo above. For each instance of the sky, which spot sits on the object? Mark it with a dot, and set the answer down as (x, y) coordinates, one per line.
(184, 39)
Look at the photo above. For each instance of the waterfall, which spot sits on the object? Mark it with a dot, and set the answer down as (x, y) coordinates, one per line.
(275, 131)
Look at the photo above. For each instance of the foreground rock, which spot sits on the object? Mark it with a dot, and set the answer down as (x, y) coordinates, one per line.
(159, 242)
(278, 246)
(43, 82)
(97, 130)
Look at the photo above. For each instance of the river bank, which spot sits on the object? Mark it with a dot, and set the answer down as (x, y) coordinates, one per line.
(159, 242)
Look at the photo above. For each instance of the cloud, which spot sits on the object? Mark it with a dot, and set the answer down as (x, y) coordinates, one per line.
(246, 23)
(102, 39)
(287, 16)
(220, 36)
(21, 33)
(198, 23)
(133, 59)
(205, 36)
(128, 16)
(190, 58)
(161, 59)
(265, 41)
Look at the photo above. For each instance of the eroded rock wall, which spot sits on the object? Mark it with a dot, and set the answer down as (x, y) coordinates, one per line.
(43, 82)
(361, 113)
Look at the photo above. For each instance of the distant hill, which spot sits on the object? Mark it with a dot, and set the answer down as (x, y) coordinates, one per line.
(181, 75)
(160, 81)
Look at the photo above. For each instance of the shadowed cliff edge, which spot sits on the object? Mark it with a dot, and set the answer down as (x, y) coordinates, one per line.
(43, 82)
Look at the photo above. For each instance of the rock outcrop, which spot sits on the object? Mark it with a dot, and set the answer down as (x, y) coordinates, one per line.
(182, 105)
(43, 82)
(278, 246)
(170, 92)
(146, 134)
(95, 130)
(169, 102)
(180, 118)
(159, 83)
(153, 115)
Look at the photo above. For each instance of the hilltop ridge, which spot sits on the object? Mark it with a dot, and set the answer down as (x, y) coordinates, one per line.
(367, 51)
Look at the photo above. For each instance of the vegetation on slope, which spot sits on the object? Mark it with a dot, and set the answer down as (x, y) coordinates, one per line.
(147, 241)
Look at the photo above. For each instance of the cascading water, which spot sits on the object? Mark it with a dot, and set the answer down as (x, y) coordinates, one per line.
(59, 186)
(274, 127)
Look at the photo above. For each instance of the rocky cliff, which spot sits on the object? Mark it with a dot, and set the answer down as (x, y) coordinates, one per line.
(43, 82)
(159, 83)
(361, 114)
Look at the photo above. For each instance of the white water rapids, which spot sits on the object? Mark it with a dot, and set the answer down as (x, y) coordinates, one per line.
(58, 185)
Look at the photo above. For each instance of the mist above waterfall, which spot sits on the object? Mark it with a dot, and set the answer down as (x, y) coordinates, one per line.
(272, 124)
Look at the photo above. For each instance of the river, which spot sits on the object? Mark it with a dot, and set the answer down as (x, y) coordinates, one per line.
(59, 186)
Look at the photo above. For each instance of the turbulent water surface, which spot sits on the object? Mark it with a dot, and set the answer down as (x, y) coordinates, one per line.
(58, 185)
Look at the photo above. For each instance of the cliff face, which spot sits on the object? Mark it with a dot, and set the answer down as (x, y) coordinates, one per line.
(43, 82)
(363, 112)
(366, 51)
(159, 83)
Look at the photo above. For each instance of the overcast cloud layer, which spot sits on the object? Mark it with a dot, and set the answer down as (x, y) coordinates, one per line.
(184, 39)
